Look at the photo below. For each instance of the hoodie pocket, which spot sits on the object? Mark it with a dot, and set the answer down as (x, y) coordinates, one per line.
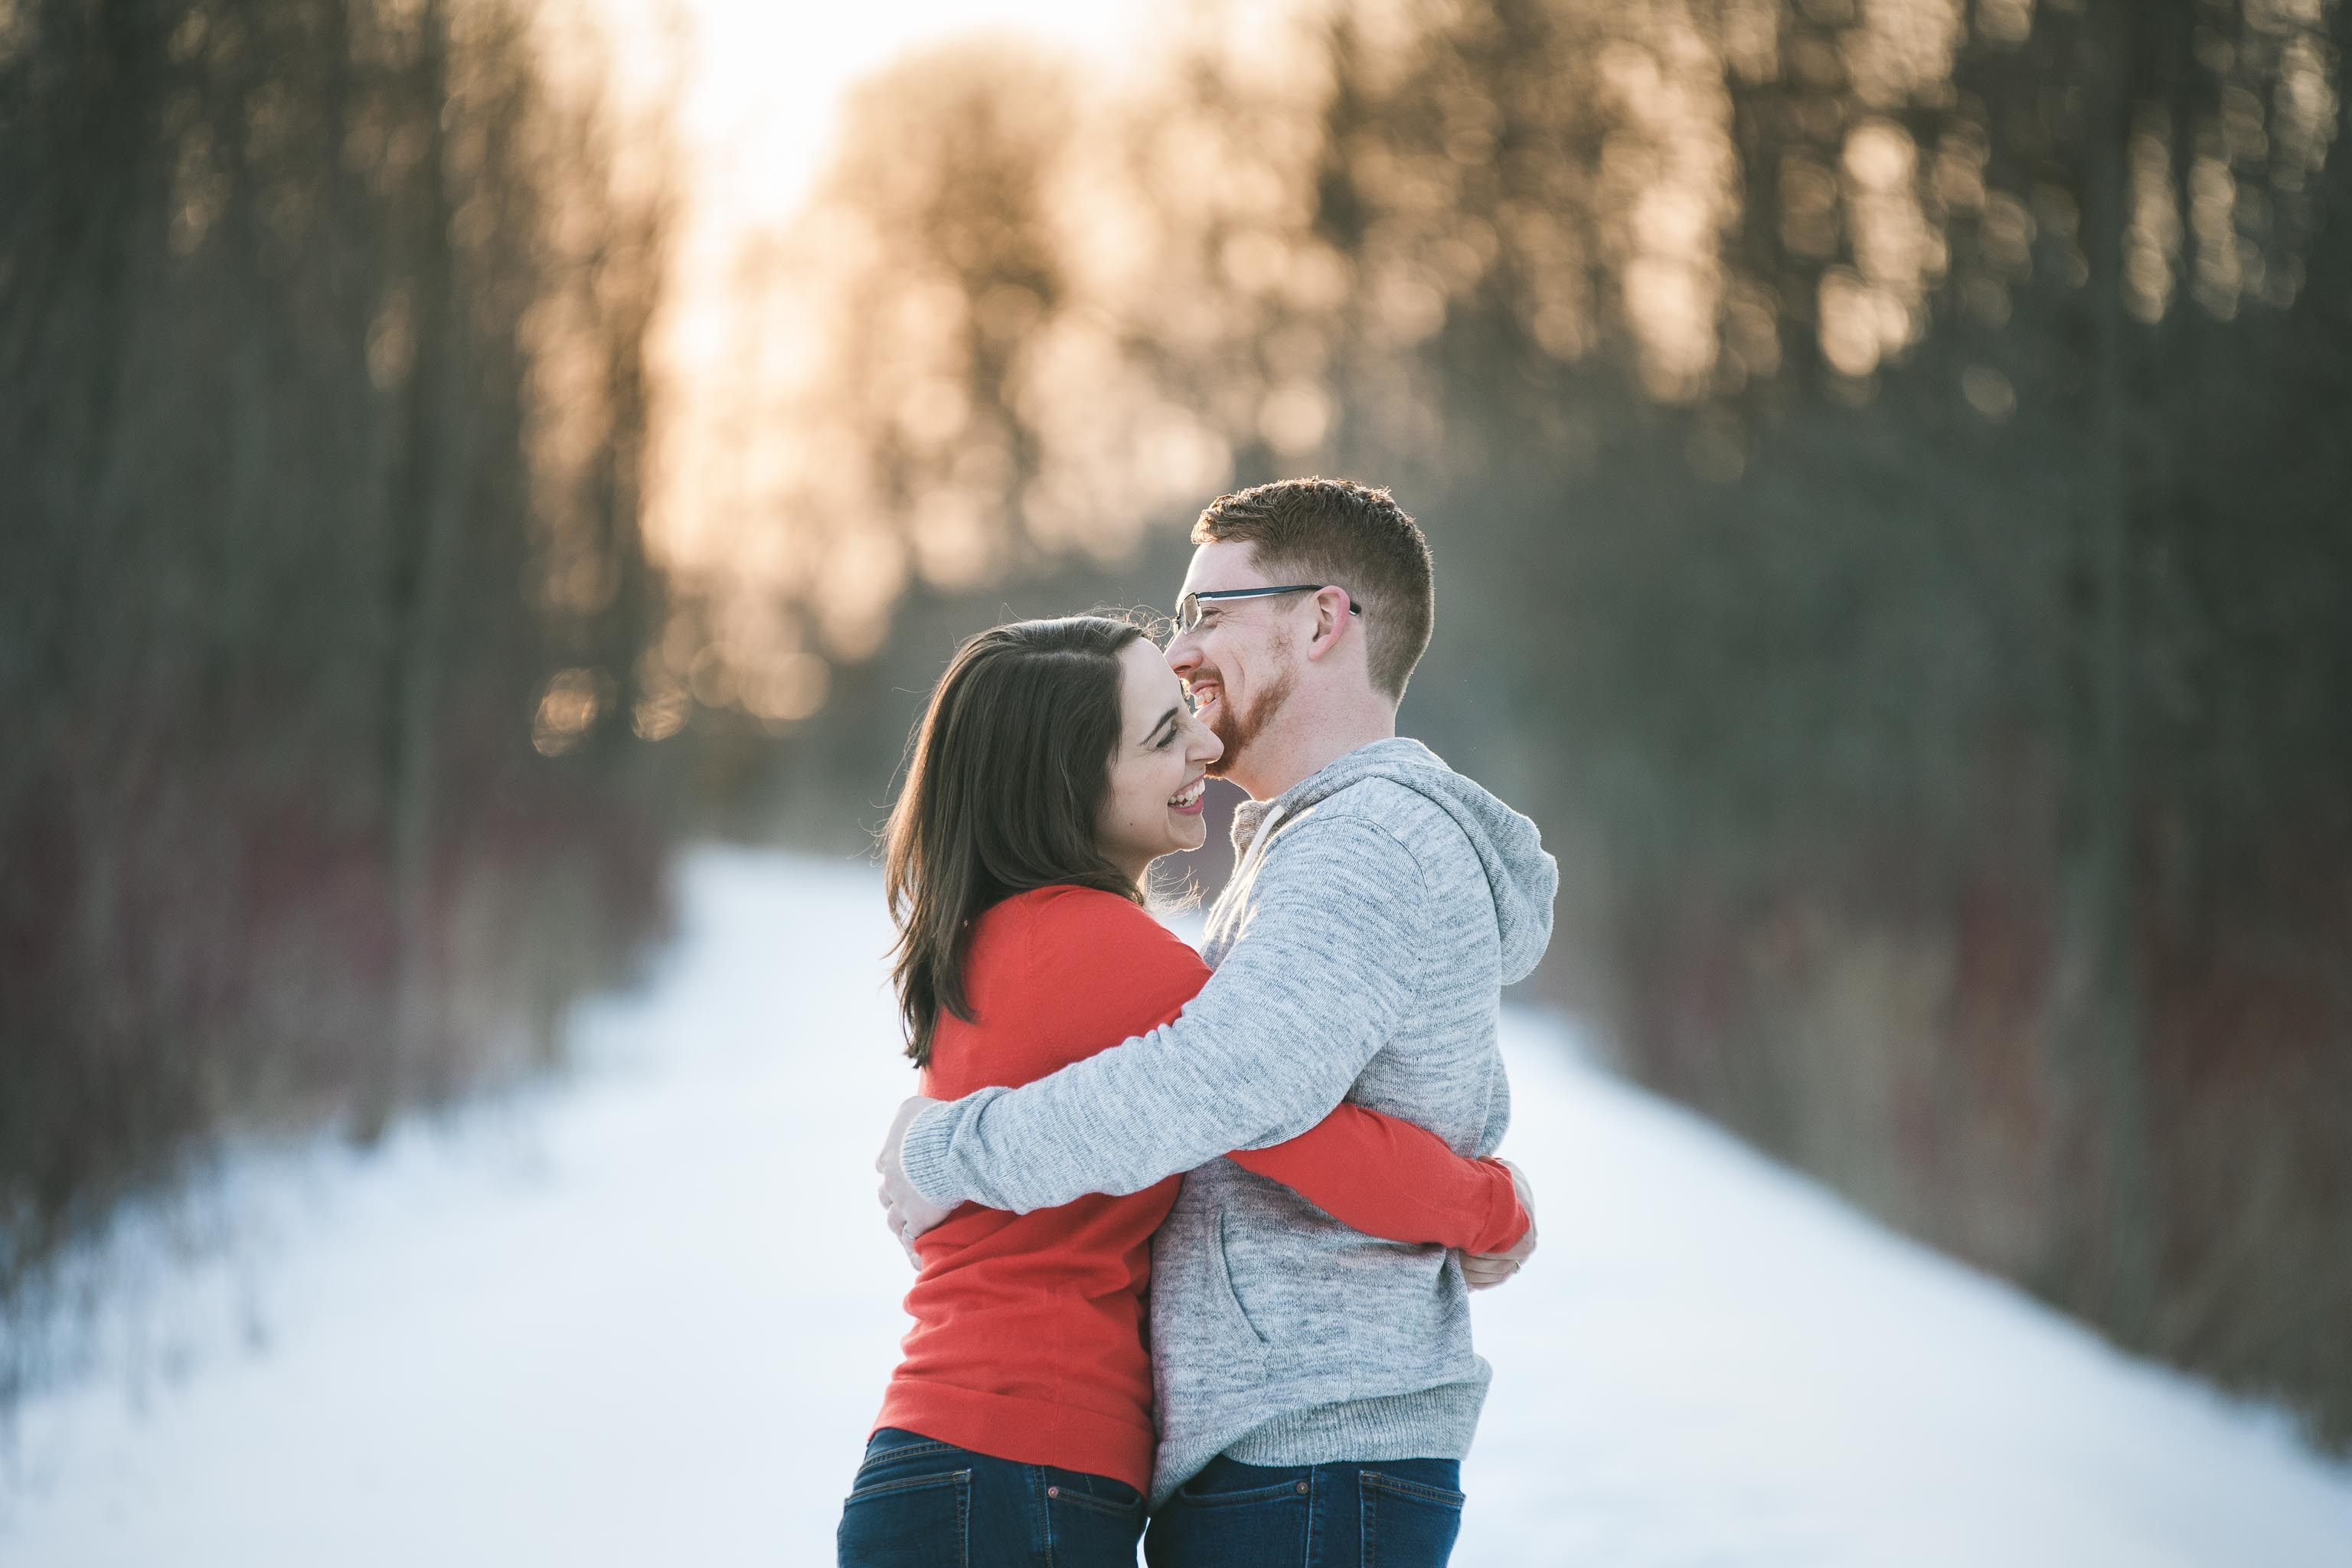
(1230, 1299)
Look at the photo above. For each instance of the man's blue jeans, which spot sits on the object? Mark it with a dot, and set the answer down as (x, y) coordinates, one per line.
(1394, 1513)
(920, 1504)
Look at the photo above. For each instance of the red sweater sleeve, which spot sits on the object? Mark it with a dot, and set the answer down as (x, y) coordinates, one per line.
(1396, 1180)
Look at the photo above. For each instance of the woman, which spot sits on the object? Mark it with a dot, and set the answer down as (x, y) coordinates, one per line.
(1057, 760)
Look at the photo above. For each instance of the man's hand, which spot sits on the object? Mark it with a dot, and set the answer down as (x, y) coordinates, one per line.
(1484, 1271)
(909, 1212)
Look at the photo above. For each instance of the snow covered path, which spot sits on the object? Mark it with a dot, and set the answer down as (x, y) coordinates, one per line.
(644, 1317)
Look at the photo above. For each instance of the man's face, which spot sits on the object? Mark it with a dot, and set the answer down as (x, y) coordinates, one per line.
(1237, 662)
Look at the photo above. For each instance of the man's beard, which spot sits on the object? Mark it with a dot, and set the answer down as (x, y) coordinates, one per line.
(1238, 730)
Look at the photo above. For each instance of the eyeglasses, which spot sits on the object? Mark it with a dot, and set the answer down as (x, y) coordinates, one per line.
(1188, 608)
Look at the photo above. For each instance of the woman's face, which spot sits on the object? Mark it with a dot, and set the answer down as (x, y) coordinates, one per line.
(1158, 770)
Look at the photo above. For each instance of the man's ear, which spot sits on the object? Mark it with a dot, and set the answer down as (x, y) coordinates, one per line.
(1331, 621)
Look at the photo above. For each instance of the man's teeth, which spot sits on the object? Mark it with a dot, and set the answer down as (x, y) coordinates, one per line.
(1191, 794)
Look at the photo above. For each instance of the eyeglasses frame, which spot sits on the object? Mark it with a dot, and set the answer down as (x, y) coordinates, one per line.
(1221, 594)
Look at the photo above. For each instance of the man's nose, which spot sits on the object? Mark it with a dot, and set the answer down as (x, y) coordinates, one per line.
(1183, 658)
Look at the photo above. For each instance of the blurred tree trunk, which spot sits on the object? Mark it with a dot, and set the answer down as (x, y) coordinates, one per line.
(123, 198)
(2121, 44)
(430, 502)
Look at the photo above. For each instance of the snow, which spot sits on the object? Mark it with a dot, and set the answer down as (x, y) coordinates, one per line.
(645, 1314)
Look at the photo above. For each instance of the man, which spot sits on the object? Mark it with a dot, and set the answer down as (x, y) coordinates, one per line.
(1314, 1385)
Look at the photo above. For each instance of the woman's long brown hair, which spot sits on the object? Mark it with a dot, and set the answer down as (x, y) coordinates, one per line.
(1011, 765)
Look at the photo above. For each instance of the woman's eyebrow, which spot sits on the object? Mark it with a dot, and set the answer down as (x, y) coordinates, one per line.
(1165, 720)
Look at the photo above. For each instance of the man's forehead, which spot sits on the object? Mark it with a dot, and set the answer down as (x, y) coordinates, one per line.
(1225, 564)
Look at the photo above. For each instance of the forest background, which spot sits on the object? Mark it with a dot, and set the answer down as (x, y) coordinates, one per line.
(1887, 461)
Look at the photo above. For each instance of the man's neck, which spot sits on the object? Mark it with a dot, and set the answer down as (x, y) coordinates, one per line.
(1288, 754)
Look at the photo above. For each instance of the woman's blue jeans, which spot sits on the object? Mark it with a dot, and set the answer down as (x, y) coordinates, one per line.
(921, 1504)
(1396, 1513)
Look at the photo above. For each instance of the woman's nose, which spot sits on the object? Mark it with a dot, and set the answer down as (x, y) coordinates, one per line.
(1208, 748)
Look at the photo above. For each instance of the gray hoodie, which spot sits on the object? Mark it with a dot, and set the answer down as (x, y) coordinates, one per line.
(1375, 912)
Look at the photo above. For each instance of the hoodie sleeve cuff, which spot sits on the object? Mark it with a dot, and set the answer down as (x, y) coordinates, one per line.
(927, 1153)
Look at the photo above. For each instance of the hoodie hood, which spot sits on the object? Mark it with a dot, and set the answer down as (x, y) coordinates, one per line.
(1522, 879)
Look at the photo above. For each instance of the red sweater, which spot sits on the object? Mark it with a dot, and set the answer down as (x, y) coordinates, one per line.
(1029, 1341)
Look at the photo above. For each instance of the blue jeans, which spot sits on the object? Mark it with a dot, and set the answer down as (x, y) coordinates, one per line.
(920, 1504)
(1392, 1513)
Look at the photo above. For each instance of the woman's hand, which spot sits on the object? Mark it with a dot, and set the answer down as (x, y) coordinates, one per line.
(1485, 1271)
